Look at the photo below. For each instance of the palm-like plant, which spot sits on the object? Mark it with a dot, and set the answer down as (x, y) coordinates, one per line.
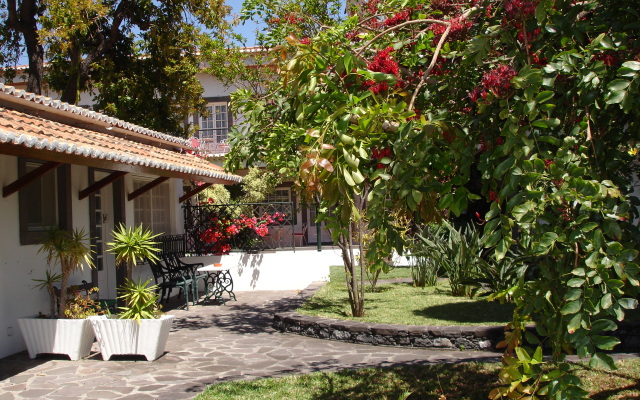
(140, 300)
(70, 250)
(132, 245)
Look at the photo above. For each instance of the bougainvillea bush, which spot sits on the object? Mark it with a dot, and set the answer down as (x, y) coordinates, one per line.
(224, 232)
(525, 111)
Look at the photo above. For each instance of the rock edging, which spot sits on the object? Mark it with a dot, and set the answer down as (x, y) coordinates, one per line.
(479, 337)
(482, 337)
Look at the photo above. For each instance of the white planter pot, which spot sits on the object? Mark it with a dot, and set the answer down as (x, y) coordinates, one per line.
(125, 336)
(72, 337)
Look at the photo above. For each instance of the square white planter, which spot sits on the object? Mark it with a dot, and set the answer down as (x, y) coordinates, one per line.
(147, 337)
(72, 337)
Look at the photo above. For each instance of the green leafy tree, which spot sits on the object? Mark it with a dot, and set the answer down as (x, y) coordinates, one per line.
(258, 184)
(140, 58)
(397, 107)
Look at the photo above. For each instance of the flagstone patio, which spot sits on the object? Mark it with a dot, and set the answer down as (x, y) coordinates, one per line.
(208, 344)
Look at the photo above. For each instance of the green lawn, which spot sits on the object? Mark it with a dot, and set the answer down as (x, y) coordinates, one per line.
(453, 381)
(401, 303)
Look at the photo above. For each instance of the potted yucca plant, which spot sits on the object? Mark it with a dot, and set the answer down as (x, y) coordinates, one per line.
(140, 327)
(133, 245)
(59, 333)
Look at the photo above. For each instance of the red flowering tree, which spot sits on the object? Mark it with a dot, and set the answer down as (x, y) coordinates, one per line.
(539, 98)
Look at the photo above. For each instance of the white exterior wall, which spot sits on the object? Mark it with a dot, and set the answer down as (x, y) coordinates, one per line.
(19, 265)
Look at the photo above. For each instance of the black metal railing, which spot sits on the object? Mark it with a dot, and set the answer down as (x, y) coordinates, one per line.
(250, 227)
(171, 244)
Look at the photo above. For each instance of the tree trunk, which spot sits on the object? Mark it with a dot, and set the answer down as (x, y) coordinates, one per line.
(24, 21)
(71, 92)
(64, 284)
(356, 297)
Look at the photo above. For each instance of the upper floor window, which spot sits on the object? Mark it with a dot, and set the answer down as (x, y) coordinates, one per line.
(215, 125)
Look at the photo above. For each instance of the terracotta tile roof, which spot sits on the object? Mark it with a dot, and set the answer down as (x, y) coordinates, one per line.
(86, 113)
(20, 130)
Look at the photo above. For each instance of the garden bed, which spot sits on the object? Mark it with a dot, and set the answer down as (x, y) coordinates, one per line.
(398, 314)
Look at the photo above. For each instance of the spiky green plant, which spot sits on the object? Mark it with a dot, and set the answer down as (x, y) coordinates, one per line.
(132, 245)
(140, 300)
(70, 250)
(51, 278)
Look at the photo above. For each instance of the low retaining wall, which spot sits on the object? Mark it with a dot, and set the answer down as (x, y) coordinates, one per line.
(484, 337)
(438, 337)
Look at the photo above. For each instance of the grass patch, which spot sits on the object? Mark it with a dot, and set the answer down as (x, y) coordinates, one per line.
(468, 381)
(401, 303)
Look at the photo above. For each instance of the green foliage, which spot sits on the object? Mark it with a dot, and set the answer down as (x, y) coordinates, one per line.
(70, 251)
(537, 101)
(469, 381)
(216, 194)
(258, 184)
(81, 306)
(424, 269)
(458, 252)
(140, 300)
(49, 283)
(139, 58)
(527, 374)
(499, 279)
(133, 245)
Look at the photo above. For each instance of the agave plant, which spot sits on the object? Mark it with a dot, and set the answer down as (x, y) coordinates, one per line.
(132, 245)
(70, 250)
(458, 252)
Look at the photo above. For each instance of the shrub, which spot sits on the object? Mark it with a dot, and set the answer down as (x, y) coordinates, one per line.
(457, 251)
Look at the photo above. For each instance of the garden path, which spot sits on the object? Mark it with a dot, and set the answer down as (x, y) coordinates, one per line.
(208, 344)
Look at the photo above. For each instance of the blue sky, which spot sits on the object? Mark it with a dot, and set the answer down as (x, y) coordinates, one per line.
(249, 28)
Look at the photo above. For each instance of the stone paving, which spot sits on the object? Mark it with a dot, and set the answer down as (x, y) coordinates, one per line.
(208, 344)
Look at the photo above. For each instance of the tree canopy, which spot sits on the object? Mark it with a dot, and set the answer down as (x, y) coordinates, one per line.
(138, 58)
(529, 107)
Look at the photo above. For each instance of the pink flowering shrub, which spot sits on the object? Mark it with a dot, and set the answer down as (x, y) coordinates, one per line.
(244, 232)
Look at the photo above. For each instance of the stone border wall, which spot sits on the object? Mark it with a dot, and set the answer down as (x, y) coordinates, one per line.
(484, 337)
(437, 337)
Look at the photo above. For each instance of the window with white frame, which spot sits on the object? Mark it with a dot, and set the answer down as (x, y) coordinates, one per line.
(215, 126)
(153, 209)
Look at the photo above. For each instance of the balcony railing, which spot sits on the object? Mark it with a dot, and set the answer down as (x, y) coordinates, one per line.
(213, 141)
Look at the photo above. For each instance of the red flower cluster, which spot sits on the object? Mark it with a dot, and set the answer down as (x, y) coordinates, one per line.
(496, 81)
(382, 62)
(378, 154)
(459, 28)
(372, 6)
(400, 17)
(539, 60)
(287, 19)
(531, 36)
(607, 59)
(305, 40)
(493, 196)
(219, 234)
(520, 9)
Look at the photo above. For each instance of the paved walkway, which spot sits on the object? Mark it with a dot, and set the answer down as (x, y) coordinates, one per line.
(208, 344)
